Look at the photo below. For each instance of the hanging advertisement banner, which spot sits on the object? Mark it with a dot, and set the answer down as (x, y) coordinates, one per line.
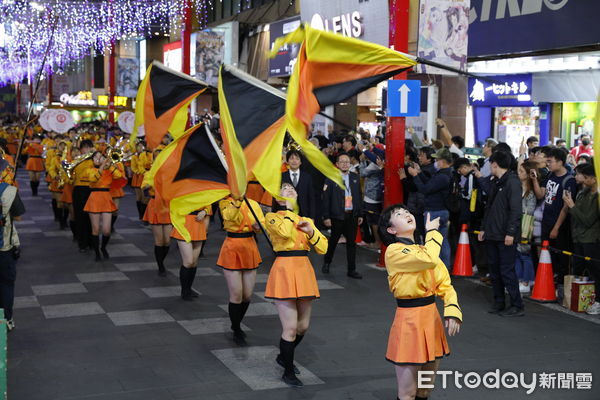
(501, 90)
(443, 34)
(128, 75)
(283, 63)
(208, 53)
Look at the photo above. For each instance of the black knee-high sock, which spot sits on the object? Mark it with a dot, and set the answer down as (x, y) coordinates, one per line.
(113, 219)
(36, 184)
(298, 340)
(96, 245)
(183, 280)
(420, 398)
(55, 210)
(235, 315)
(245, 305)
(73, 229)
(65, 217)
(191, 279)
(139, 208)
(286, 349)
(158, 255)
(165, 251)
(33, 188)
(143, 209)
(105, 240)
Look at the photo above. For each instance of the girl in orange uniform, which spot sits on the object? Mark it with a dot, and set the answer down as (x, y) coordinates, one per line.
(117, 193)
(141, 162)
(35, 163)
(100, 205)
(190, 251)
(67, 192)
(292, 282)
(53, 170)
(416, 275)
(239, 258)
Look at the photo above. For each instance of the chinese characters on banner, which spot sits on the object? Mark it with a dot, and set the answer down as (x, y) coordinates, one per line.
(443, 34)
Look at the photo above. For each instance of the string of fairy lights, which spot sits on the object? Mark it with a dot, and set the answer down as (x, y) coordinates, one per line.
(83, 27)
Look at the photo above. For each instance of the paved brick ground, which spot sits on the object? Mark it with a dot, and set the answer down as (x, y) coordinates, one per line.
(116, 331)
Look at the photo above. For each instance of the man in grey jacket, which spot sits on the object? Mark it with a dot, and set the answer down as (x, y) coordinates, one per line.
(501, 231)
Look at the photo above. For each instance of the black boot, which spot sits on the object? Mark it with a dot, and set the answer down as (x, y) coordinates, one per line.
(105, 240)
(279, 359)
(36, 184)
(186, 279)
(55, 211)
(298, 340)
(96, 246)
(158, 255)
(420, 398)
(235, 316)
(33, 187)
(286, 350)
(113, 219)
(139, 208)
(73, 230)
(64, 218)
(191, 282)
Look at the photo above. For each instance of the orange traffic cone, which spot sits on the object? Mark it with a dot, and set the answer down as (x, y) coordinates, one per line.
(358, 235)
(462, 262)
(544, 289)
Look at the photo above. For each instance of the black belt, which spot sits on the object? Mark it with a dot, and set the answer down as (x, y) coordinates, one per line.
(240, 234)
(418, 302)
(35, 156)
(99, 189)
(292, 253)
(253, 182)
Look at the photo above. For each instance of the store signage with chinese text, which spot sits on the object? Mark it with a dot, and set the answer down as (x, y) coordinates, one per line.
(501, 90)
(120, 101)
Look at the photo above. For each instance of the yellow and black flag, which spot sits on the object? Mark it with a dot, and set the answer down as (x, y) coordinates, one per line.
(252, 128)
(330, 69)
(189, 174)
(162, 102)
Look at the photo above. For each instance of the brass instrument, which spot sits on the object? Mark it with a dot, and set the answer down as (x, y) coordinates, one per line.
(70, 167)
(61, 174)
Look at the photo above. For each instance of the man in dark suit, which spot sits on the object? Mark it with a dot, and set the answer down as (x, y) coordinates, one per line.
(342, 211)
(302, 182)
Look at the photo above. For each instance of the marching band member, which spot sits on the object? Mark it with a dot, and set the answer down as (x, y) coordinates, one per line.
(141, 162)
(81, 193)
(416, 275)
(35, 164)
(100, 205)
(194, 223)
(292, 282)
(239, 258)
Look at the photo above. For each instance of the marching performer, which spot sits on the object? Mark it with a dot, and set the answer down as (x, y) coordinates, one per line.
(35, 164)
(81, 192)
(292, 282)
(100, 205)
(190, 251)
(416, 275)
(141, 162)
(239, 257)
(158, 216)
(57, 183)
(116, 189)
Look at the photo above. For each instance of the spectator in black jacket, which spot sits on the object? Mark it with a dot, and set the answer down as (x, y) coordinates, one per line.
(436, 190)
(501, 230)
(302, 182)
(342, 211)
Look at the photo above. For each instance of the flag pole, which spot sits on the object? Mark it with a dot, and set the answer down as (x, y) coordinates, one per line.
(224, 163)
(262, 228)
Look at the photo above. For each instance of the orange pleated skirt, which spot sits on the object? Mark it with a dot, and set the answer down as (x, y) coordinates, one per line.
(156, 215)
(117, 193)
(417, 336)
(35, 164)
(239, 254)
(196, 229)
(136, 180)
(54, 186)
(292, 278)
(67, 194)
(100, 202)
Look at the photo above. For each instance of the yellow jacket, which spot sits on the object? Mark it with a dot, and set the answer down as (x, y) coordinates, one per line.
(237, 216)
(83, 172)
(416, 271)
(285, 236)
(140, 163)
(53, 166)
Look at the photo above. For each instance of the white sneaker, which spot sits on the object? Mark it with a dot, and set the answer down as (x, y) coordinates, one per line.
(594, 309)
(10, 325)
(524, 288)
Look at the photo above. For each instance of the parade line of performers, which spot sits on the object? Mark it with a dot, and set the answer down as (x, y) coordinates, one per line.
(86, 176)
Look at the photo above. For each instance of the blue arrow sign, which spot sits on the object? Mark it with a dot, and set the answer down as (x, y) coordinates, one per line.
(404, 98)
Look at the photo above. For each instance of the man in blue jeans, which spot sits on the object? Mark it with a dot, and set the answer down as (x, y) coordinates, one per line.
(436, 190)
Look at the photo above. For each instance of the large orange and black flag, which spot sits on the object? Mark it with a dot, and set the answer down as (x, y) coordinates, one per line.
(252, 128)
(162, 102)
(189, 174)
(330, 69)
